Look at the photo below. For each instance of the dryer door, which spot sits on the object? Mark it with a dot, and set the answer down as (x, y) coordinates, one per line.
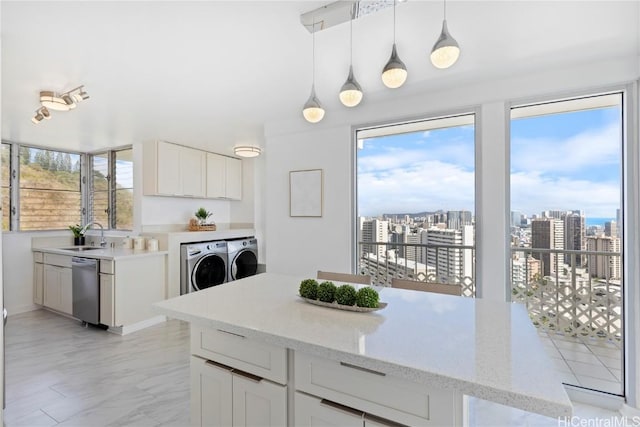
(245, 264)
(210, 270)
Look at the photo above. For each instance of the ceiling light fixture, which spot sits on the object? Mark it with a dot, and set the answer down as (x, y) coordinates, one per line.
(446, 51)
(394, 74)
(313, 111)
(351, 92)
(247, 150)
(59, 102)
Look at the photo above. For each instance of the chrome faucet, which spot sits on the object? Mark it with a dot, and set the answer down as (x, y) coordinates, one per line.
(103, 242)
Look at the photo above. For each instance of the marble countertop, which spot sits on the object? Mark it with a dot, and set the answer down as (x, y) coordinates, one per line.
(102, 253)
(488, 349)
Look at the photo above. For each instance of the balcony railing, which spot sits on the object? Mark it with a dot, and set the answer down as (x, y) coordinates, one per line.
(576, 293)
(453, 264)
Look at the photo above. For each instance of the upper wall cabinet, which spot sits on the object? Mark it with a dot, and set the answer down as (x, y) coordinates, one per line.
(179, 171)
(224, 177)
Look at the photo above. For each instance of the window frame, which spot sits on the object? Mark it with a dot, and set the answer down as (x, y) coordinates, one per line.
(112, 186)
(86, 159)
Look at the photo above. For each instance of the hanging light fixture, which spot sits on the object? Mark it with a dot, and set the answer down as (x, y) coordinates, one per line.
(313, 111)
(351, 92)
(59, 102)
(394, 74)
(446, 51)
(41, 114)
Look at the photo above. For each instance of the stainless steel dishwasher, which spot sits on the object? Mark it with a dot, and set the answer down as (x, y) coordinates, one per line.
(86, 290)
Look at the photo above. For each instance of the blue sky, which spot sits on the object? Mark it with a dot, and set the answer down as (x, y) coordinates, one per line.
(558, 162)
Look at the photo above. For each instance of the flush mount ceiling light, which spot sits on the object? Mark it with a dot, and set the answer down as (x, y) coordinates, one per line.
(394, 74)
(446, 51)
(351, 92)
(64, 101)
(313, 111)
(247, 150)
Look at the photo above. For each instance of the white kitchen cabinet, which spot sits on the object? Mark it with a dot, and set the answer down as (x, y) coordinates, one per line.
(107, 300)
(57, 288)
(38, 278)
(223, 396)
(311, 411)
(173, 170)
(224, 177)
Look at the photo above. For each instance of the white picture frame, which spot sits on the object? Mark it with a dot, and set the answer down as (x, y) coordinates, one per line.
(305, 193)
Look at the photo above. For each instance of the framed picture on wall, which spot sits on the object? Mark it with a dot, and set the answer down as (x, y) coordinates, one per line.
(305, 193)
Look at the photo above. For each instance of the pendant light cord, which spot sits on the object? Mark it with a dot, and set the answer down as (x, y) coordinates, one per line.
(313, 53)
(445, 10)
(394, 21)
(351, 39)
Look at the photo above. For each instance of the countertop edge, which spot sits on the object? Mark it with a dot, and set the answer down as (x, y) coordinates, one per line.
(98, 254)
(550, 408)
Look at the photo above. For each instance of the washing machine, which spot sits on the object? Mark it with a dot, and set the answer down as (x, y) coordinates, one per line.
(242, 255)
(203, 265)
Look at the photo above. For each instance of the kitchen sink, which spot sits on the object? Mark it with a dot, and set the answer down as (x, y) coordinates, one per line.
(82, 248)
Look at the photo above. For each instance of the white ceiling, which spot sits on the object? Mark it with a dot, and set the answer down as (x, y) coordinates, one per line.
(211, 73)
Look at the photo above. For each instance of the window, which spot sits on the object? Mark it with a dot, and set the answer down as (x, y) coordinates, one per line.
(111, 193)
(416, 201)
(49, 189)
(566, 255)
(5, 177)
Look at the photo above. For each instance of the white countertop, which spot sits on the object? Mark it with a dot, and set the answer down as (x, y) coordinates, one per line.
(482, 348)
(102, 253)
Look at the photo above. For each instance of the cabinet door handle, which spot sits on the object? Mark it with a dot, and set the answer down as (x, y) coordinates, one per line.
(360, 368)
(219, 365)
(231, 333)
(247, 375)
(340, 407)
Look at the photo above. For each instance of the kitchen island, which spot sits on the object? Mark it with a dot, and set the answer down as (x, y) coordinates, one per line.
(408, 363)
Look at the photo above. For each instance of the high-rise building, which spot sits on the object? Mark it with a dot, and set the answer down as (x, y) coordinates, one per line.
(611, 229)
(516, 218)
(547, 233)
(457, 219)
(375, 230)
(574, 237)
(452, 264)
(618, 221)
(603, 266)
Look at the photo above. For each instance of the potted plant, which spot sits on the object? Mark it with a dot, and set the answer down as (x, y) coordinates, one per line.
(202, 214)
(78, 234)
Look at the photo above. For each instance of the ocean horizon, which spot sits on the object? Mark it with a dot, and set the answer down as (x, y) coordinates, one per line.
(590, 222)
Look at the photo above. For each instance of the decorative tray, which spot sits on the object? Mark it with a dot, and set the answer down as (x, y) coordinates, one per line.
(337, 306)
(198, 227)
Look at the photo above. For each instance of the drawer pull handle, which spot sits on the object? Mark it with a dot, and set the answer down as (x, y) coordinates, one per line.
(247, 375)
(360, 368)
(340, 407)
(231, 333)
(219, 365)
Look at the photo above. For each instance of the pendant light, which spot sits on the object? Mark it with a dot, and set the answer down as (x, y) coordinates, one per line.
(394, 74)
(313, 111)
(446, 51)
(351, 92)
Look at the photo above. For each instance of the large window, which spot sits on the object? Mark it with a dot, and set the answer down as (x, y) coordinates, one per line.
(416, 201)
(48, 192)
(49, 189)
(111, 198)
(566, 233)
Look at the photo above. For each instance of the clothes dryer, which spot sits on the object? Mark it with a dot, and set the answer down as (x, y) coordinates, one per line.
(242, 255)
(203, 265)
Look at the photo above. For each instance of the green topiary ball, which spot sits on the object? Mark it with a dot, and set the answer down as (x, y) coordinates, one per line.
(367, 297)
(309, 289)
(346, 295)
(327, 292)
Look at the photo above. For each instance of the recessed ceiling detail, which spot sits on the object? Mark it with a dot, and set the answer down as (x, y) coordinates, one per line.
(340, 12)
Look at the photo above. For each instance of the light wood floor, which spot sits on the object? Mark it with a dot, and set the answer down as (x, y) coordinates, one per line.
(59, 373)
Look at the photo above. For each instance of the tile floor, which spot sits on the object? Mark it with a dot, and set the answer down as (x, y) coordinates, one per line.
(586, 362)
(59, 373)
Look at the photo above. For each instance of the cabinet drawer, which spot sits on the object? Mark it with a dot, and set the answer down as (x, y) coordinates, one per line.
(264, 360)
(38, 257)
(59, 260)
(107, 267)
(376, 393)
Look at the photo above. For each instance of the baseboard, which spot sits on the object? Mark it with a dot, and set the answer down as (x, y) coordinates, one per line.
(23, 309)
(594, 398)
(630, 412)
(127, 329)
